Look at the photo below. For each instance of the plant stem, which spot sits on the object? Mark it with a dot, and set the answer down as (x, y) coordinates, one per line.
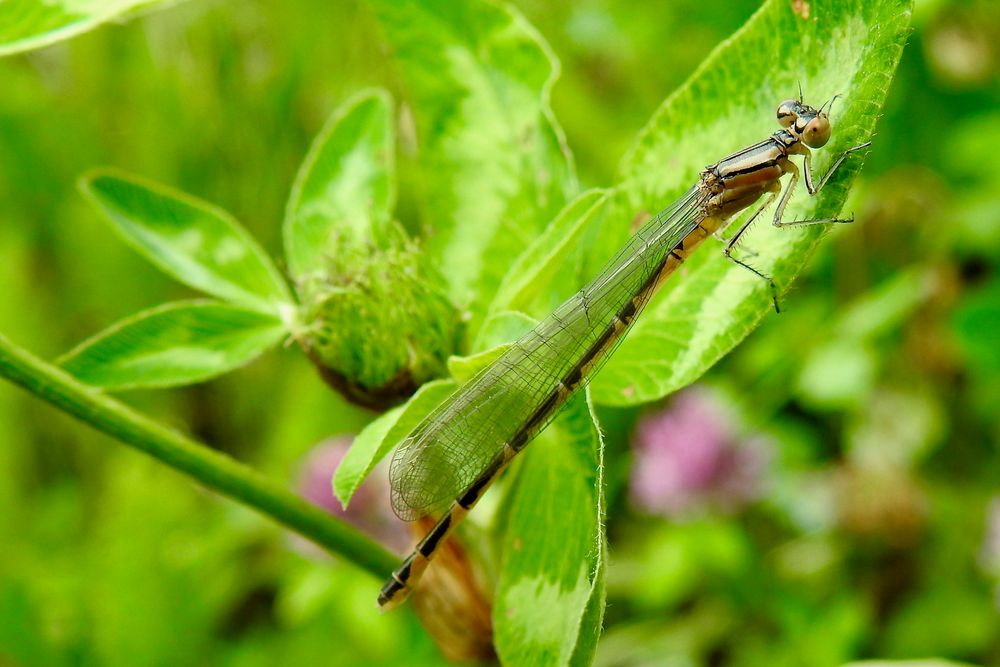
(215, 470)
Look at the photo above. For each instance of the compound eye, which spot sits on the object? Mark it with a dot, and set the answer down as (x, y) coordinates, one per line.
(786, 113)
(817, 132)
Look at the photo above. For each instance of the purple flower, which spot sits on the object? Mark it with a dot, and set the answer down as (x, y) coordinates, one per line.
(687, 459)
(368, 509)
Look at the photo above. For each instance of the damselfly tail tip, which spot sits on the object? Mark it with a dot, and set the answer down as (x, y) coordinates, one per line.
(392, 595)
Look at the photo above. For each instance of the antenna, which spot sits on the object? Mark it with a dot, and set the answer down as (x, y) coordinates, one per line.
(830, 103)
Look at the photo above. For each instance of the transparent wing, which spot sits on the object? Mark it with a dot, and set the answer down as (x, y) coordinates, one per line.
(455, 443)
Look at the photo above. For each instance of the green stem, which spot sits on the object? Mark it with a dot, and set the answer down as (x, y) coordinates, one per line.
(213, 469)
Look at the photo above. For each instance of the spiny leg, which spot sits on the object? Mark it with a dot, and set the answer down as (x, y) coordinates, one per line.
(720, 235)
(728, 250)
(779, 211)
(807, 163)
(792, 169)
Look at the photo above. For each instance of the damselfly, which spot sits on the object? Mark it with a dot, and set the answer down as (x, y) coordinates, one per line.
(459, 450)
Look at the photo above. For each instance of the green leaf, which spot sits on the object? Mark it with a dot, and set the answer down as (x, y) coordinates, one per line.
(382, 435)
(849, 48)
(174, 344)
(545, 611)
(503, 328)
(976, 328)
(463, 368)
(592, 622)
(31, 24)
(841, 369)
(347, 182)
(532, 273)
(920, 628)
(886, 307)
(199, 244)
(494, 162)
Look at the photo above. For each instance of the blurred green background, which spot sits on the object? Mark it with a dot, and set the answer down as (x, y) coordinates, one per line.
(869, 526)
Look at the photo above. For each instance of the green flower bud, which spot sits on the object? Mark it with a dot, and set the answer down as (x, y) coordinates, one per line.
(375, 320)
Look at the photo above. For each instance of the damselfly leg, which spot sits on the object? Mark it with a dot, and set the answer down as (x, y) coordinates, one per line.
(779, 211)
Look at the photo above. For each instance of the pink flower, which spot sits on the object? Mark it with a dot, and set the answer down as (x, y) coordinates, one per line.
(688, 459)
(369, 508)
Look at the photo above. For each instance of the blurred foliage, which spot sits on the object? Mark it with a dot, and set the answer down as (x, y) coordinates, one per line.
(877, 387)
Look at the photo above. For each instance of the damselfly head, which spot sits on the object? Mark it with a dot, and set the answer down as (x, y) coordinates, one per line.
(811, 125)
